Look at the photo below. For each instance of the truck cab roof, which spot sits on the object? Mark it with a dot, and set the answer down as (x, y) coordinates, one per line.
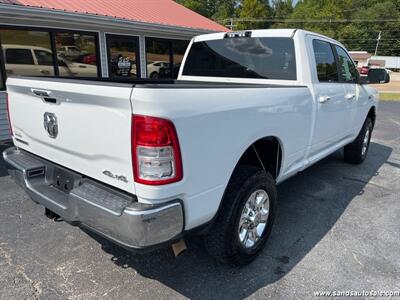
(265, 33)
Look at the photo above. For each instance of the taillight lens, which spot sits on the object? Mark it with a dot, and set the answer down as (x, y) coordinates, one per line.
(156, 154)
(8, 114)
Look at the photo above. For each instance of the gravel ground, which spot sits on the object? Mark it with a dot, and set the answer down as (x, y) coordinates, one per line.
(337, 228)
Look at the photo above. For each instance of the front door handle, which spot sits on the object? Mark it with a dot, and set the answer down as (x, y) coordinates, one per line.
(323, 99)
(45, 72)
(350, 96)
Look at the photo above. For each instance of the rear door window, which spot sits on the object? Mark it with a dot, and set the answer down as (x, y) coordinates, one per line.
(325, 62)
(262, 58)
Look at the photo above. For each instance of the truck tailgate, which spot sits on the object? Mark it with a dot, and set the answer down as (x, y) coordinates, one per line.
(93, 134)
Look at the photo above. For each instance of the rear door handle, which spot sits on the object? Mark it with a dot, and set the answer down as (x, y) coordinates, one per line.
(350, 96)
(323, 99)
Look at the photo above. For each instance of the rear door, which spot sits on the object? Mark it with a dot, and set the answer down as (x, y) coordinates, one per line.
(93, 120)
(331, 106)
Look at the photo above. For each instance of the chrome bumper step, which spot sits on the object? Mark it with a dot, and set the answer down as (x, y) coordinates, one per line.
(103, 209)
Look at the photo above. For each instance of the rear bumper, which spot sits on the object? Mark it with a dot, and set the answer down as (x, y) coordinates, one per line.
(87, 203)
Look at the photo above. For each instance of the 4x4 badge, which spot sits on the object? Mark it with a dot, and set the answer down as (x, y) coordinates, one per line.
(115, 176)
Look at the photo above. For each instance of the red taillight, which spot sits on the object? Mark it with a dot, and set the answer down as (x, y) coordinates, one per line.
(8, 115)
(156, 154)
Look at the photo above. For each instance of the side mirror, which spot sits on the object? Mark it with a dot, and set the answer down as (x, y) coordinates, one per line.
(378, 76)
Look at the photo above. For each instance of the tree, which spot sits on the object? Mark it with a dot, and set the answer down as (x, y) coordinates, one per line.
(340, 19)
(225, 9)
(200, 6)
(218, 10)
(282, 8)
(252, 13)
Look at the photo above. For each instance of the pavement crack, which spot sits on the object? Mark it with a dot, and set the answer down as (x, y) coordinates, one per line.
(395, 122)
(20, 270)
(355, 179)
(353, 254)
(365, 182)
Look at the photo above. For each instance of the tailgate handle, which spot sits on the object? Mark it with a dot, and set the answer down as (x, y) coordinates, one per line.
(41, 93)
(46, 95)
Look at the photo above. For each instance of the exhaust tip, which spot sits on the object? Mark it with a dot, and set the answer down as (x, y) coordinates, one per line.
(52, 215)
(179, 248)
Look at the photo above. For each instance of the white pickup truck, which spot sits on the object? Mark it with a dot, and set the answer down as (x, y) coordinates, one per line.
(145, 163)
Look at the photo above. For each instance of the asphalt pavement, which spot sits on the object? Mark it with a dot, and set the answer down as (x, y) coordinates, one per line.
(337, 229)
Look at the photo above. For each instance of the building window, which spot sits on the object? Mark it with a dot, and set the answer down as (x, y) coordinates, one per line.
(123, 56)
(27, 52)
(158, 56)
(2, 85)
(77, 54)
(164, 57)
(179, 49)
(35, 52)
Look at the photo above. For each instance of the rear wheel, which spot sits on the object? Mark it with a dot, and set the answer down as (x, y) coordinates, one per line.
(357, 151)
(245, 219)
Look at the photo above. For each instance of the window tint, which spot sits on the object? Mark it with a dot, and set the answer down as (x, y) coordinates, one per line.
(122, 56)
(2, 87)
(164, 57)
(348, 70)
(44, 58)
(267, 58)
(179, 50)
(158, 54)
(325, 61)
(17, 48)
(76, 54)
(19, 57)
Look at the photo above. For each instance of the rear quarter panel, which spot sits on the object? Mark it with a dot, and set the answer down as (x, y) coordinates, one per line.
(215, 127)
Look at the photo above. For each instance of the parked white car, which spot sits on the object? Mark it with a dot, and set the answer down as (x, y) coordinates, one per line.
(146, 165)
(38, 61)
(153, 69)
(70, 51)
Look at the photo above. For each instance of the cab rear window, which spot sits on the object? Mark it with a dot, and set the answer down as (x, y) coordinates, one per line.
(262, 58)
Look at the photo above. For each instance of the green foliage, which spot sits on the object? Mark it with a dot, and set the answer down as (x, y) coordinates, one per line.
(199, 6)
(250, 10)
(326, 17)
(218, 10)
(355, 23)
(225, 9)
(282, 8)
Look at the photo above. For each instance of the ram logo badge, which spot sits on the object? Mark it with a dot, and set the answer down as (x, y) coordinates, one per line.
(50, 124)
